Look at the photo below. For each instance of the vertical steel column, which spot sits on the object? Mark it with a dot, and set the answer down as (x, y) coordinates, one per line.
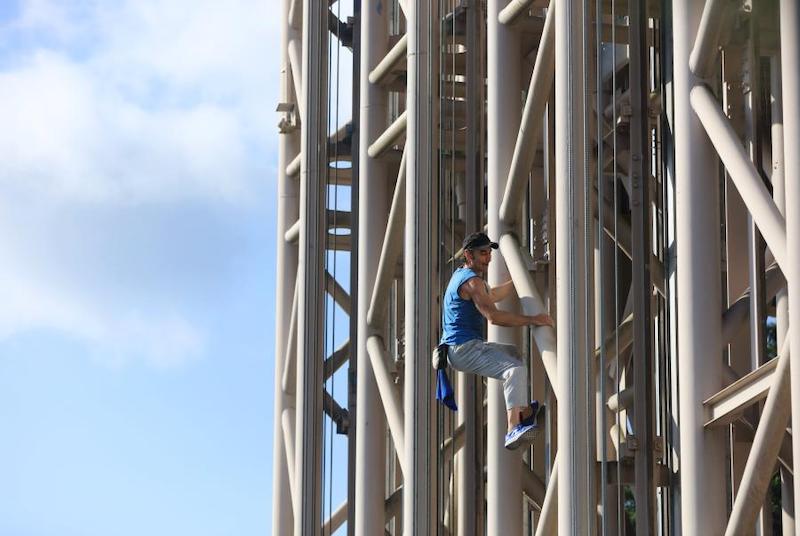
(470, 404)
(790, 67)
(782, 298)
(778, 182)
(577, 507)
(503, 482)
(420, 516)
(286, 271)
(701, 452)
(373, 208)
(641, 230)
(672, 424)
(355, 261)
(755, 242)
(310, 314)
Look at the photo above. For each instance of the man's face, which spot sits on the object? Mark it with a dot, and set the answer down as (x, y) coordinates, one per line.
(480, 258)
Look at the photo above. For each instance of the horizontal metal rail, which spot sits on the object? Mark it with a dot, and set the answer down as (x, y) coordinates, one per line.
(725, 406)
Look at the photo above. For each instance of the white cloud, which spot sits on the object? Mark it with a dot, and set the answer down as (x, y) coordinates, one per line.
(162, 339)
(165, 105)
(60, 20)
(126, 104)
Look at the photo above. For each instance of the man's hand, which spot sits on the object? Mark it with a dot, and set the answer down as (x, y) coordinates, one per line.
(542, 320)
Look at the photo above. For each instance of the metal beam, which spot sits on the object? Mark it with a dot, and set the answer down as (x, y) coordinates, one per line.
(295, 63)
(389, 137)
(390, 396)
(336, 520)
(742, 172)
(736, 315)
(335, 412)
(289, 376)
(641, 281)
(337, 292)
(535, 103)
(395, 55)
(531, 303)
(390, 251)
(532, 485)
(285, 304)
(513, 9)
(504, 85)
(548, 519)
(310, 322)
(790, 89)
(420, 508)
(727, 405)
(705, 50)
(287, 434)
(469, 387)
(577, 505)
(338, 358)
(701, 452)
(764, 452)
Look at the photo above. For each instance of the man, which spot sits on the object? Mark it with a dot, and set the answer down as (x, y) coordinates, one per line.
(467, 301)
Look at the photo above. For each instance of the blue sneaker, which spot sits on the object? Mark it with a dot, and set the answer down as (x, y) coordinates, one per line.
(525, 431)
(520, 435)
(533, 418)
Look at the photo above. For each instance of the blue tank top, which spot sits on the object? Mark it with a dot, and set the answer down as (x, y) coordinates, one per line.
(461, 320)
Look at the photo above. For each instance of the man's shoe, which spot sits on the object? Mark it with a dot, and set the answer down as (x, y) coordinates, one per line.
(521, 434)
(537, 411)
(525, 431)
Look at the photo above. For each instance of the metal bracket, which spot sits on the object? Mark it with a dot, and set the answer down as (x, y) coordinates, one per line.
(288, 121)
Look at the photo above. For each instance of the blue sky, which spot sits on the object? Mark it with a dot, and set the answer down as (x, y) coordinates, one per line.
(137, 238)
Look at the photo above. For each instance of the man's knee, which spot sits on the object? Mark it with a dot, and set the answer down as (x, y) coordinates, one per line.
(516, 374)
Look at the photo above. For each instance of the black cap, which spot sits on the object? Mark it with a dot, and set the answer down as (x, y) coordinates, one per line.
(477, 240)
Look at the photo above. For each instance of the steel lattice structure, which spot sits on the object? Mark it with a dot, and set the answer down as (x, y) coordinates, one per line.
(639, 164)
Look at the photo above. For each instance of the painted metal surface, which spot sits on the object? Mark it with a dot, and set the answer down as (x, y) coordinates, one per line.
(634, 137)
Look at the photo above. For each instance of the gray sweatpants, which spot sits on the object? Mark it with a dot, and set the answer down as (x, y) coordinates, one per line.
(495, 360)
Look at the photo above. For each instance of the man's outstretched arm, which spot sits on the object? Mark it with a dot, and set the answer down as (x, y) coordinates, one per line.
(476, 291)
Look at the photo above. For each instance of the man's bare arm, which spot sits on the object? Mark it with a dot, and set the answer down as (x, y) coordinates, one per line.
(475, 289)
(501, 292)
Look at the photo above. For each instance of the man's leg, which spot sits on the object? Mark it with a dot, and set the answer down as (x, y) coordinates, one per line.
(501, 362)
(515, 380)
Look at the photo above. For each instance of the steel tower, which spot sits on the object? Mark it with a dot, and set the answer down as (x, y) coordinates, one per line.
(639, 164)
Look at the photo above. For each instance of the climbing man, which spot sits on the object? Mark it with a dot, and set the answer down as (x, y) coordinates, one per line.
(467, 301)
